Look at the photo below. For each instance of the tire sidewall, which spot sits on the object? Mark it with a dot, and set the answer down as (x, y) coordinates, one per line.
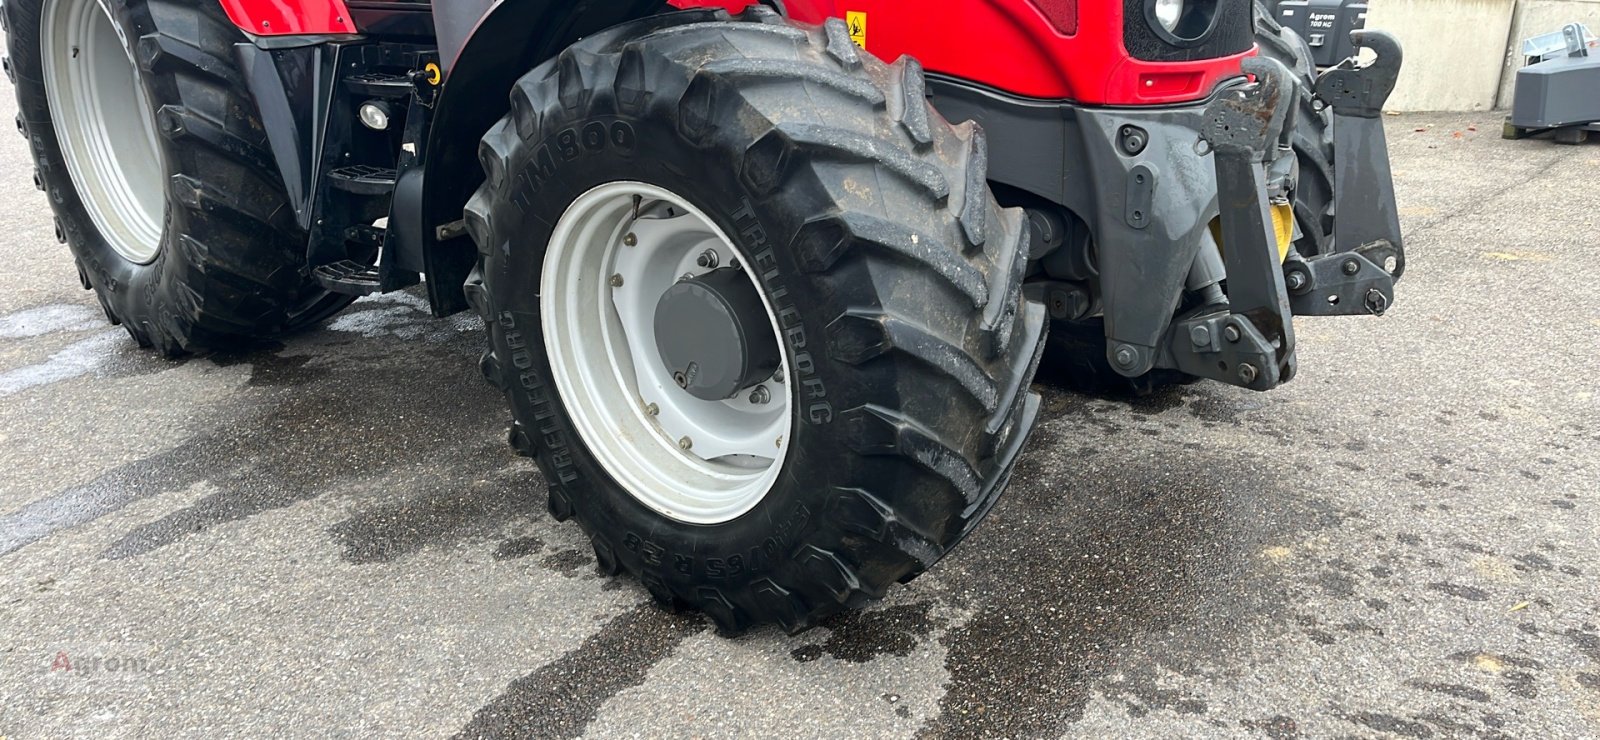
(587, 152)
(129, 288)
(231, 262)
(1313, 143)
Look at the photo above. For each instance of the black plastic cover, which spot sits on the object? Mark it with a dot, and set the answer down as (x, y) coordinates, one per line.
(1233, 32)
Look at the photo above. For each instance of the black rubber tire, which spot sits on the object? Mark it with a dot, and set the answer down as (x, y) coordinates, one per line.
(1312, 136)
(898, 277)
(232, 261)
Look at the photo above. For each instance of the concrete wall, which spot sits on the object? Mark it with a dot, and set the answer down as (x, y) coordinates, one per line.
(1454, 51)
(1463, 54)
(1533, 17)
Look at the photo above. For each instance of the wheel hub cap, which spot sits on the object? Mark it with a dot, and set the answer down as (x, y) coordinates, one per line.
(668, 365)
(712, 332)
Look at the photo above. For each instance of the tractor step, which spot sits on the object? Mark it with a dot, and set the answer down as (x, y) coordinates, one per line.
(380, 85)
(348, 277)
(363, 179)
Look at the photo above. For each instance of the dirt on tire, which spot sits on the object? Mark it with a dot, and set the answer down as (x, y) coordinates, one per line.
(896, 278)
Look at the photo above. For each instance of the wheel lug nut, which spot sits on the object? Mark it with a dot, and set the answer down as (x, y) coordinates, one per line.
(652, 409)
(707, 259)
(760, 395)
(631, 240)
(685, 443)
(777, 377)
(616, 281)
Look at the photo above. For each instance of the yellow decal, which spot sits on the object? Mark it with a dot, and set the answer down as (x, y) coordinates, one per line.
(856, 20)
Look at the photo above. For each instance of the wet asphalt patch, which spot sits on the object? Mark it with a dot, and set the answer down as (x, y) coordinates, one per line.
(560, 698)
(328, 535)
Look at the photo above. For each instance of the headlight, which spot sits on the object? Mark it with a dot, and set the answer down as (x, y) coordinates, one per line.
(374, 114)
(1181, 23)
(1168, 12)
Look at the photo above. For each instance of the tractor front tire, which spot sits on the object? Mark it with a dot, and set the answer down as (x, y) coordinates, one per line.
(158, 170)
(891, 279)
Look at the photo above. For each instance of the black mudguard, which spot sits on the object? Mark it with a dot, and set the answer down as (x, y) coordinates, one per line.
(505, 40)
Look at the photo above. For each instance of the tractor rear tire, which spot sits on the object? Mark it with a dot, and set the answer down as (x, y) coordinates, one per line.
(892, 278)
(190, 244)
(1312, 137)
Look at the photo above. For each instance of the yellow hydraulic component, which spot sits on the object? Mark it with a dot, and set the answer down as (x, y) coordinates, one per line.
(1282, 228)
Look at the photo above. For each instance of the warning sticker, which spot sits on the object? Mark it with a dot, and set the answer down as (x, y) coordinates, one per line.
(856, 20)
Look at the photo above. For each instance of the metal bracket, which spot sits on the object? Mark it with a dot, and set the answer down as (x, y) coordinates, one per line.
(1361, 90)
(1572, 33)
(1340, 284)
(1229, 348)
(1363, 185)
(1248, 120)
(1251, 343)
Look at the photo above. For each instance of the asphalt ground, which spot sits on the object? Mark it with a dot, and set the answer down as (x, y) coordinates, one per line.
(329, 536)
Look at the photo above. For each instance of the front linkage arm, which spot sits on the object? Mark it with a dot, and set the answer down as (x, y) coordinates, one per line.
(1358, 276)
(1250, 342)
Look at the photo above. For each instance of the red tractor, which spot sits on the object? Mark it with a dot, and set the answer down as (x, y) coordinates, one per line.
(765, 317)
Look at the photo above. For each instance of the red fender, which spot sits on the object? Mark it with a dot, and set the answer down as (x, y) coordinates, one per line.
(279, 18)
(1049, 49)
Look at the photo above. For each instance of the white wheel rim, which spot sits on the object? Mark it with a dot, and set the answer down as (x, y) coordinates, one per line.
(105, 125)
(599, 333)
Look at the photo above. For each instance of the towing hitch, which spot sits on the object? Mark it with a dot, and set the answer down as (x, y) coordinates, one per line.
(1249, 340)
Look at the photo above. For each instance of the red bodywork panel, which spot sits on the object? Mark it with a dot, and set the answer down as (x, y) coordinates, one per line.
(1048, 49)
(1032, 48)
(288, 17)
